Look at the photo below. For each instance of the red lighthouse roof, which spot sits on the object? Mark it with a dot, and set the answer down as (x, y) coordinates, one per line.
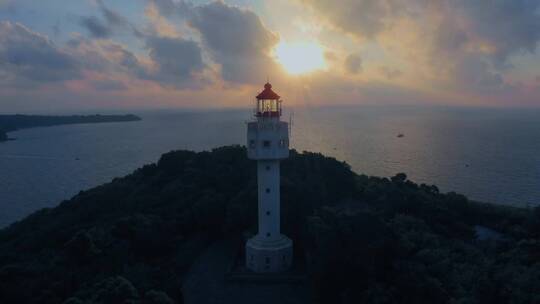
(267, 93)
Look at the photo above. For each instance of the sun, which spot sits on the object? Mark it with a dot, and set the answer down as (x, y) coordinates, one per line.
(300, 57)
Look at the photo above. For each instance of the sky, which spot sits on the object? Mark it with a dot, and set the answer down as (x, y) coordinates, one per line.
(85, 55)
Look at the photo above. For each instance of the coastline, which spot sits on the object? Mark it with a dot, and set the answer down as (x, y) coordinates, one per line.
(9, 123)
(164, 217)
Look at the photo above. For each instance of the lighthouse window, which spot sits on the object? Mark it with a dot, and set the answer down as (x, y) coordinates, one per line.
(252, 144)
(267, 190)
(267, 212)
(266, 143)
(267, 260)
(268, 234)
(267, 168)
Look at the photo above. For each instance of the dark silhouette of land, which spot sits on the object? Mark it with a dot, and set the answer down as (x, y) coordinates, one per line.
(159, 235)
(10, 123)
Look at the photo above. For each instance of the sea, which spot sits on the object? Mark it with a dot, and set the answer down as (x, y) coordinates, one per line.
(488, 154)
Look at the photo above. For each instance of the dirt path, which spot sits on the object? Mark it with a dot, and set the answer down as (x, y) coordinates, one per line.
(205, 283)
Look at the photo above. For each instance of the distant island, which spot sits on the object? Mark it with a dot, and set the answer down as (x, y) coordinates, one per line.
(361, 239)
(10, 123)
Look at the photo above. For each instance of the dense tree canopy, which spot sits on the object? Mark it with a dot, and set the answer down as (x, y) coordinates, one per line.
(367, 239)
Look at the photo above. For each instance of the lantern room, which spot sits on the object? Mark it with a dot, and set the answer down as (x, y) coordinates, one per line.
(268, 103)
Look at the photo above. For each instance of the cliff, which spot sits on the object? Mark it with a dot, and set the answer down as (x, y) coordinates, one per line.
(366, 239)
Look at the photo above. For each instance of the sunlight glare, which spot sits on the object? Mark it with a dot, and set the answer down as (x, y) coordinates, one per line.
(300, 57)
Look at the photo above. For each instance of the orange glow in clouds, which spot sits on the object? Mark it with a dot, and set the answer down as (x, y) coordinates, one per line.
(300, 57)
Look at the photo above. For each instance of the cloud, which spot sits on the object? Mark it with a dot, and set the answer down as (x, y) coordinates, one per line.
(26, 56)
(177, 60)
(452, 50)
(171, 62)
(8, 6)
(103, 56)
(108, 85)
(112, 17)
(226, 40)
(353, 64)
(169, 8)
(390, 73)
(233, 38)
(474, 73)
(106, 27)
(330, 56)
(237, 40)
(96, 27)
(440, 40)
(506, 26)
(159, 24)
(364, 18)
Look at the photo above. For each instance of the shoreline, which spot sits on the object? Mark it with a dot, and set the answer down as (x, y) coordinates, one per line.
(10, 123)
(172, 217)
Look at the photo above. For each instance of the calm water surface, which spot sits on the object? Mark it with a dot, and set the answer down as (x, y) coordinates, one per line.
(488, 154)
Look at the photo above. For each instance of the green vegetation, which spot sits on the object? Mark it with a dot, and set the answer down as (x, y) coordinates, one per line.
(16, 122)
(368, 239)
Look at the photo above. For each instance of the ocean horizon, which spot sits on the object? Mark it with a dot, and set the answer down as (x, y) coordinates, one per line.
(487, 154)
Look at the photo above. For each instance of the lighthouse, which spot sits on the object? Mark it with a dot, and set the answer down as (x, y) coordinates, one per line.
(268, 143)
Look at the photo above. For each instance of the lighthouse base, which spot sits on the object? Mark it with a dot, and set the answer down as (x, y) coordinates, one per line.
(269, 256)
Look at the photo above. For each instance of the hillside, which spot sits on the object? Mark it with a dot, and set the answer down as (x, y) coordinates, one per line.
(366, 239)
(10, 123)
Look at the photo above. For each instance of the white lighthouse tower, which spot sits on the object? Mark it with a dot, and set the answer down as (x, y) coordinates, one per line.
(268, 143)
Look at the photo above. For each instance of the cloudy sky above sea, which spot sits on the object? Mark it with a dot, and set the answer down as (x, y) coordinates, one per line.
(66, 55)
